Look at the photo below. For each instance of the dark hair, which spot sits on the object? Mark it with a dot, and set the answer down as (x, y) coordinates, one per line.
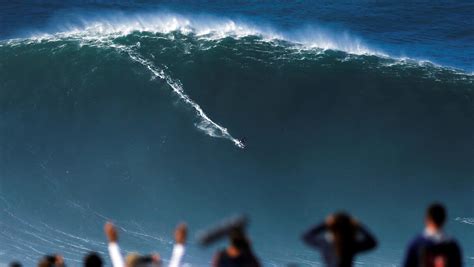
(239, 240)
(47, 261)
(344, 233)
(93, 260)
(15, 264)
(437, 213)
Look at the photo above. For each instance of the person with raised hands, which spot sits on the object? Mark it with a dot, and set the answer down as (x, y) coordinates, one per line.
(179, 249)
(113, 247)
(136, 260)
(339, 239)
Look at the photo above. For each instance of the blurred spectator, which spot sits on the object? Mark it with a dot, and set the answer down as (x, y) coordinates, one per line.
(93, 260)
(239, 252)
(180, 236)
(15, 264)
(136, 260)
(51, 261)
(433, 248)
(339, 239)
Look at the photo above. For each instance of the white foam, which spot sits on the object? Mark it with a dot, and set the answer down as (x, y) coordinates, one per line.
(317, 37)
(159, 22)
(465, 220)
(210, 27)
(117, 24)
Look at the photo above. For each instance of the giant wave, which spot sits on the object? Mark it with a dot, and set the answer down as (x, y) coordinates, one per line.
(126, 35)
(110, 104)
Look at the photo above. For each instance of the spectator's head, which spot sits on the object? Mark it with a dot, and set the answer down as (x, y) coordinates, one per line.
(137, 260)
(51, 261)
(238, 240)
(132, 259)
(343, 229)
(93, 260)
(435, 216)
(15, 264)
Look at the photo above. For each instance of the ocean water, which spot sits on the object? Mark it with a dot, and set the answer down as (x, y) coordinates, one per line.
(150, 113)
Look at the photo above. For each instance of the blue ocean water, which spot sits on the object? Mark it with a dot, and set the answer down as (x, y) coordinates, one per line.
(149, 113)
(438, 31)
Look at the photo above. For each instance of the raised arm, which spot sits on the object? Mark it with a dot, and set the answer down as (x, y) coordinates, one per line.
(315, 235)
(179, 246)
(365, 240)
(114, 249)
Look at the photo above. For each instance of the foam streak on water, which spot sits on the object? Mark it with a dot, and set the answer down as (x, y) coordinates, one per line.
(465, 220)
(205, 123)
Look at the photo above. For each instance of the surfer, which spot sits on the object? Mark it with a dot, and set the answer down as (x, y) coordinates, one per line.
(243, 142)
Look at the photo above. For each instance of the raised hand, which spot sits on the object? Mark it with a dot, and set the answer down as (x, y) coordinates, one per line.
(110, 232)
(180, 233)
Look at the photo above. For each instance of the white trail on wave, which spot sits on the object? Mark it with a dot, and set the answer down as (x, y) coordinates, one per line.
(205, 124)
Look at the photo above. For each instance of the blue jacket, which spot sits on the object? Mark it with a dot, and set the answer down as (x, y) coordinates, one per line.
(426, 249)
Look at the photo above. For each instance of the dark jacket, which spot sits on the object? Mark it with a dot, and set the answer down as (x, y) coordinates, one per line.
(245, 259)
(319, 238)
(425, 249)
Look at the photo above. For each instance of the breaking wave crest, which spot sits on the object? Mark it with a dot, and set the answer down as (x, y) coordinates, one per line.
(125, 34)
(209, 27)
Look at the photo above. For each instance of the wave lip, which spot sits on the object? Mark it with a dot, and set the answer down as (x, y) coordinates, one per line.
(210, 27)
(307, 37)
(163, 23)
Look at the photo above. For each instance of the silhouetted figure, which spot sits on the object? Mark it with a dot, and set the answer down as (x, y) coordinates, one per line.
(433, 248)
(239, 251)
(339, 239)
(51, 261)
(15, 264)
(238, 254)
(93, 260)
(180, 236)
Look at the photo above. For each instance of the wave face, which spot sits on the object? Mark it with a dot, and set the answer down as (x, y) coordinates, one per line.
(148, 122)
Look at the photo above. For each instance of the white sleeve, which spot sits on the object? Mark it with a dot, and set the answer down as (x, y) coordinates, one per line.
(177, 255)
(115, 256)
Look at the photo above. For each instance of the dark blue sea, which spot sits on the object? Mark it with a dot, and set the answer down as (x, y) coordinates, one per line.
(148, 113)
